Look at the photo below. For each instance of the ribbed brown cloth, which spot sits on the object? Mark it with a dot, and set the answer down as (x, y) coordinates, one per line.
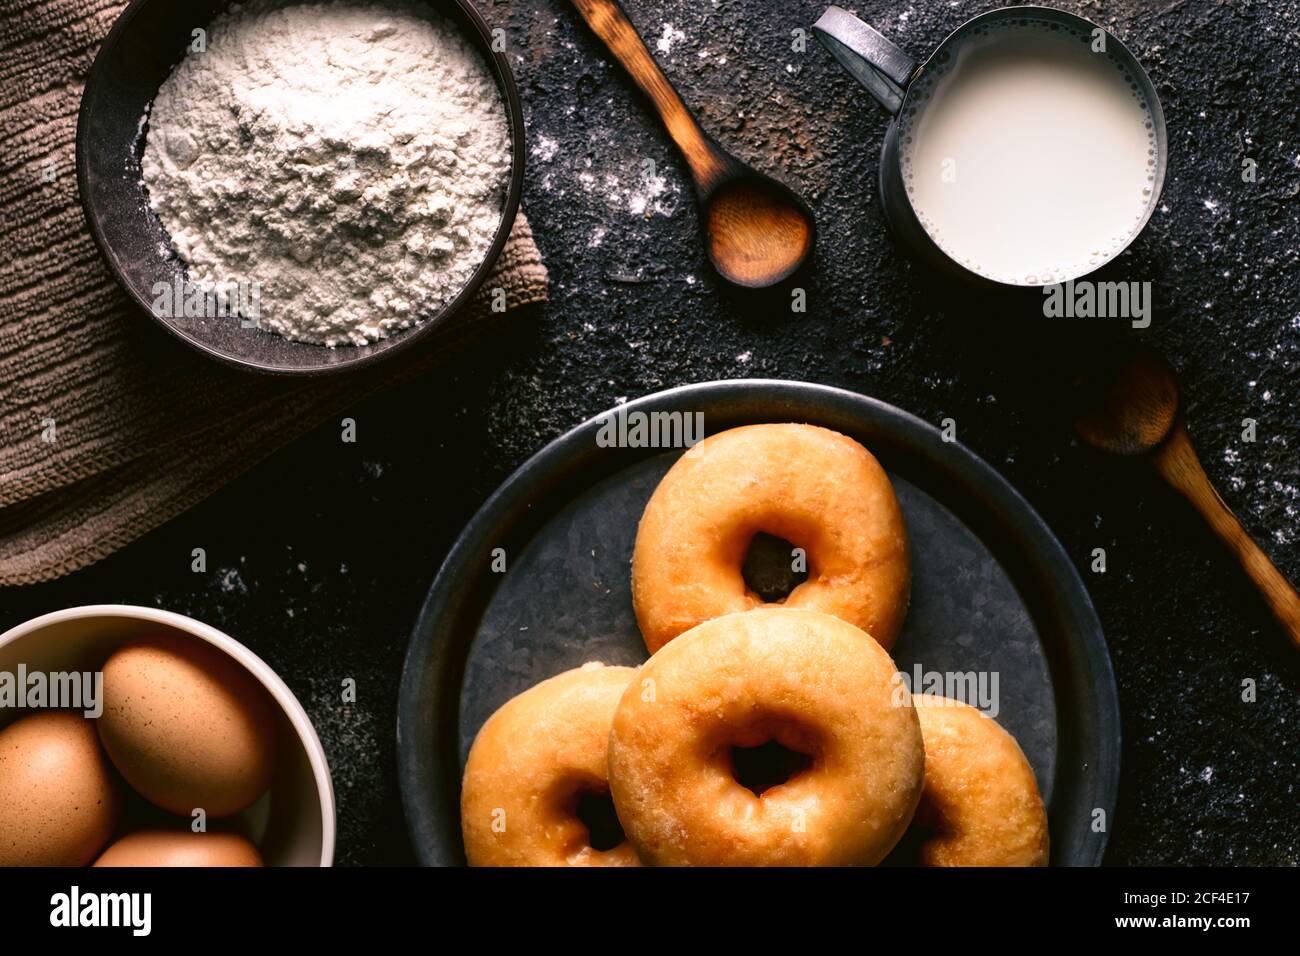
(108, 427)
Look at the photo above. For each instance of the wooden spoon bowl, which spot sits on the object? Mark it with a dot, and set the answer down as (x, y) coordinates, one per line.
(1132, 407)
(758, 232)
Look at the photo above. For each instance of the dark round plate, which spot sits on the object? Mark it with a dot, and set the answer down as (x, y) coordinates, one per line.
(993, 592)
(146, 42)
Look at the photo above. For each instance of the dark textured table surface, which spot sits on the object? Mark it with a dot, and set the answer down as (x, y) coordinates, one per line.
(319, 559)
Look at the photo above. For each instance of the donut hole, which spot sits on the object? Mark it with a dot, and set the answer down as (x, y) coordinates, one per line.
(771, 764)
(769, 568)
(595, 811)
(768, 753)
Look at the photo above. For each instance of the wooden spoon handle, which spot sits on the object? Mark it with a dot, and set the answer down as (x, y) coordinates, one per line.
(1176, 460)
(608, 21)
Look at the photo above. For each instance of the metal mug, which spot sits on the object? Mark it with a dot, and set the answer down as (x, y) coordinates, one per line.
(890, 75)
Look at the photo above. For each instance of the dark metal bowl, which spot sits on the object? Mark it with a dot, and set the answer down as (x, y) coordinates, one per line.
(145, 43)
(992, 591)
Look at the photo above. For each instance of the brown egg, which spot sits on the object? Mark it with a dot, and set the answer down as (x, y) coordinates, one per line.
(180, 848)
(58, 798)
(187, 726)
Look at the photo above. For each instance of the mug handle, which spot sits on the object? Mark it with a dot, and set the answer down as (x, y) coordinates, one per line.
(877, 64)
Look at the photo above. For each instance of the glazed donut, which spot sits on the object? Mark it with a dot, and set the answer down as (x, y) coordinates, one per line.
(533, 764)
(813, 683)
(980, 803)
(818, 489)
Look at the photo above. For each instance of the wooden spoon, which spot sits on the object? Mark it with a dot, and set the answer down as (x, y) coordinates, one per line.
(756, 230)
(1137, 412)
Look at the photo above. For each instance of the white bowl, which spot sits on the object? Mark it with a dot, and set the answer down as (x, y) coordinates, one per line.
(295, 821)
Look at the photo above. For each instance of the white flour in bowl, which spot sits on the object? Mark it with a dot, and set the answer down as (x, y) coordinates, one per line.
(349, 160)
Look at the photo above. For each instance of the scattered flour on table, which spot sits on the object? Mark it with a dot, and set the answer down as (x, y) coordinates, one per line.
(669, 38)
(640, 193)
(351, 159)
(545, 148)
